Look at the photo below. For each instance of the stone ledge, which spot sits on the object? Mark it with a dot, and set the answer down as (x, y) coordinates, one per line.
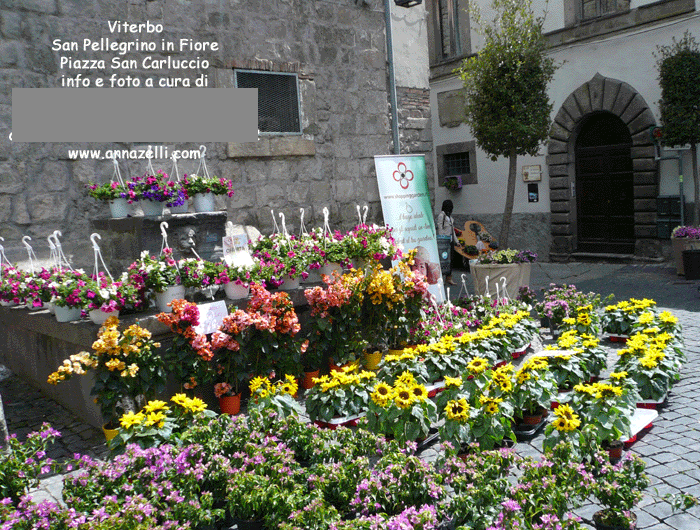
(274, 146)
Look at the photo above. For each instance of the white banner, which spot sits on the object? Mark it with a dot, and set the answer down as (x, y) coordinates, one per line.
(403, 188)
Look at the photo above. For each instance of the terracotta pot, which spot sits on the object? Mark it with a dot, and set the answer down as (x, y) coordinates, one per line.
(531, 419)
(614, 450)
(597, 521)
(307, 382)
(230, 404)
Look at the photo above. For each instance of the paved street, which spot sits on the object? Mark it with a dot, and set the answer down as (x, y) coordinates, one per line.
(671, 447)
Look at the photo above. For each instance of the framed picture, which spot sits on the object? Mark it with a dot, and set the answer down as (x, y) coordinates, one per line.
(532, 173)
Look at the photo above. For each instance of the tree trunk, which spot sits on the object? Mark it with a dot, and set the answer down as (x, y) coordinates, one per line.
(510, 197)
(696, 186)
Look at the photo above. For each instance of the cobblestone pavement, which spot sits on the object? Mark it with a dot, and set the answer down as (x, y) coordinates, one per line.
(671, 448)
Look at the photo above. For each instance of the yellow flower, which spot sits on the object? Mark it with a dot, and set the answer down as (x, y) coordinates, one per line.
(155, 418)
(536, 363)
(477, 365)
(585, 388)
(382, 394)
(522, 376)
(646, 318)
(648, 362)
(604, 390)
(566, 425)
(452, 381)
(419, 392)
(403, 398)
(130, 419)
(667, 318)
(569, 321)
(490, 404)
(195, 405)
(618, 376)
(406, 379)
(584, 319)
(155, 405)
(256, 383)
(113, 364)
(503, 381)
(457, 410)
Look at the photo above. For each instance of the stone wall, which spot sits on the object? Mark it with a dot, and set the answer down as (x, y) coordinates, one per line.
(415, 129)
(337, 49)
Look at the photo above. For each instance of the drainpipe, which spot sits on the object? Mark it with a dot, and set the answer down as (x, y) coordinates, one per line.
(392, 79)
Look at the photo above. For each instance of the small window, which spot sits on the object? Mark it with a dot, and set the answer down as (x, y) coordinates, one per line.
(278, 100)
(598, 8)
(456, 160)
(456, 164)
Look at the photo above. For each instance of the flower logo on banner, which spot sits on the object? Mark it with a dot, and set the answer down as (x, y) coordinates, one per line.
(402, 175)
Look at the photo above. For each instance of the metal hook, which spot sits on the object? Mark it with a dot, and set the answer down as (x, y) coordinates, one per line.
(94, 236)
(24, 242)
(364, 214)
(163, 226)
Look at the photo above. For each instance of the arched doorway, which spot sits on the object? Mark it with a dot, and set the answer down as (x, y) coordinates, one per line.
(604, 185)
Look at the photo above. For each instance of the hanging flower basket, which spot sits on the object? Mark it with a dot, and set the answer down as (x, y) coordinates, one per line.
(453, 183)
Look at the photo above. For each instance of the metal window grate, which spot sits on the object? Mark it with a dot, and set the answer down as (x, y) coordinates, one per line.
(456, 164)
(278, 100)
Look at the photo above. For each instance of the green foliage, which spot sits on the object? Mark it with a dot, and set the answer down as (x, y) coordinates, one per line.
(679, 78)
(507, 105)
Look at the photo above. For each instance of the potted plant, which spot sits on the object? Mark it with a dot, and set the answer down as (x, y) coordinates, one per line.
(368, 243)
(115, 194)
(335, 326)
(273, 401)
(618, 489)
(619, 318)
(159, 422)
(70, 296)
(203, 189)
(127, 370)
(402, 411)
(683, 238)
(512, 265)
(535, 387)
(154, 191)
(287, 258)
(340, 396)
(609, 407)
(237, 279)
(453, 183)
(160, 275)
(104, 298)
(190, 354)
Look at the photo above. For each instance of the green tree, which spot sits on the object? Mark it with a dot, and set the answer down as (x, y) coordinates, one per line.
(506, 101)
(679, 77)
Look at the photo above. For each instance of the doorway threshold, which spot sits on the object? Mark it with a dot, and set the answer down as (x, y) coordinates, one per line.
(603, 256)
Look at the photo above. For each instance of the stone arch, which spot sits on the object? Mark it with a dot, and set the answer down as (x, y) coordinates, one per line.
(621, 99)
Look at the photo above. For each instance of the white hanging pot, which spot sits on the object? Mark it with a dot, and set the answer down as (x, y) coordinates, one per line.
(204, 202)
(236, 291)
(119, 207)
(98, 316)
(152, 208)
(174, 292)
(290, 284)
(180, 209)
(67, 314)
(328, 269)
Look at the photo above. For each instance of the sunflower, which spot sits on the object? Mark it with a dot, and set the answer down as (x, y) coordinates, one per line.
(490, 404)
(477, 365)
(452, 381)
(155, 418)
(195, 405)
(503, 381)
(382, 394)
(406, 379)
(403, 397)
(618, 376)
(155, 405)
(419, 392)
(522, 376)
(130, 419)
(457, 410)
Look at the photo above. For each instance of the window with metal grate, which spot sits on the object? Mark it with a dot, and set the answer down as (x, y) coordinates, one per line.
(278, 100)
(456, 164)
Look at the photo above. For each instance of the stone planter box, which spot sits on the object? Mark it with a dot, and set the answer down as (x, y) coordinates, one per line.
(516, 275)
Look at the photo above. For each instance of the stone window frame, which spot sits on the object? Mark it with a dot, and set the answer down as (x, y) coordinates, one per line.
(450, 149)
(298, 101)
(459, 37)
(276, 144)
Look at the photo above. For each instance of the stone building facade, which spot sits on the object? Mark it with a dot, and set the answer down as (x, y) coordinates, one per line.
(335, 49)
(600, 191)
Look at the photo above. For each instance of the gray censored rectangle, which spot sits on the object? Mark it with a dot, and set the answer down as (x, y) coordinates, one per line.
(135, 114)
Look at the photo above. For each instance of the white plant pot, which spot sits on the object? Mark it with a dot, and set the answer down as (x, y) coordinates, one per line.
(98, 316)
(152, 208)
(236, 291)
(67, 314)
(119, 207)
(290, 284)
(51, 307)
(328, 269)
(204, 202)
(183, 208)
(171, 293)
